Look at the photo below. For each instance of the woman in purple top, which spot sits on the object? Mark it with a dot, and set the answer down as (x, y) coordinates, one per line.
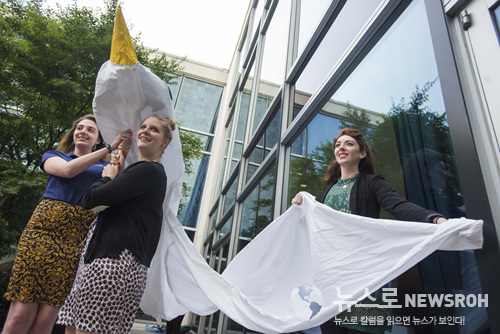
(49, 248)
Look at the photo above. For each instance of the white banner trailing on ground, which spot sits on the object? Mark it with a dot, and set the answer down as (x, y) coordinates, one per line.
(307, 266)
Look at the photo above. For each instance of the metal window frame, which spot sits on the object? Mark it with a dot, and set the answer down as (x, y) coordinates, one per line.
(469, 170)
(387, 14)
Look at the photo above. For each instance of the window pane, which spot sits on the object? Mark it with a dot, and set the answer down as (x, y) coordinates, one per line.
(242, 119)
(347, 25)
(226, 227)
(231, 195)
(240, 130)
(174, 86)
(265, 145)
(274, 60)
(394, 97)
(272, 131)
(197, 105)
(188, 214)
(310, 13)
(222, 181)
(260, 110)
(496, 19)
(311, 154)
(213, 221)
(275, 46)
(257, 209)
(258, 11)
(256, 158)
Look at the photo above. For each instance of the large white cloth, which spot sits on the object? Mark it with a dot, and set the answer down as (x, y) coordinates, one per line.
(335, 257)
(298, 271)
(124, 96)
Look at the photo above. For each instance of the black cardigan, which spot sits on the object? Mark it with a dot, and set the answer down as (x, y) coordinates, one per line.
(134, 215)
(370, 192)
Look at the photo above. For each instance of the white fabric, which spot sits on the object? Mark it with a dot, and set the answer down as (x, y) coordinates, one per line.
(124, 96)
(336, 257)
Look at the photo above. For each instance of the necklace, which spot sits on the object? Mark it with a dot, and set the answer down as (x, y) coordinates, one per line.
(345, 182)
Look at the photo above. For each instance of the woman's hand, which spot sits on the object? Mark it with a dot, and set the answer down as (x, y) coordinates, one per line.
(297, 199)
(439, 220)
(115, 167)
(124, 147)
(122, 136)
(111, 170)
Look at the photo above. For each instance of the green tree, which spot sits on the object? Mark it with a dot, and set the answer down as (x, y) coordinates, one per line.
(357, 119)
(423, 138)
(50, 60)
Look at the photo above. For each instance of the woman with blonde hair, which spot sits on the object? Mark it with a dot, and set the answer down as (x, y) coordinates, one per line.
(113, 269)
(49, 248)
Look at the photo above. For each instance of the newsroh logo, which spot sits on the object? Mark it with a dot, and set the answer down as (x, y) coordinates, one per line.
(390, 299)
(446, 300)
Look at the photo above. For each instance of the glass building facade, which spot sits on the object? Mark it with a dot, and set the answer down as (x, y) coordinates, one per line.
(197, 103)
(400, 71)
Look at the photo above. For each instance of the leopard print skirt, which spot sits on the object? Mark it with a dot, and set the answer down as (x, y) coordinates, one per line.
(48, 253)
(106, 293)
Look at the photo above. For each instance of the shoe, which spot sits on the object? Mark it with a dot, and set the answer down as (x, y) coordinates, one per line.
(155, 329)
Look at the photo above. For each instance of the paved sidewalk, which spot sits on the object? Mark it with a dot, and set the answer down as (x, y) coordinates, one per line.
(140, 327)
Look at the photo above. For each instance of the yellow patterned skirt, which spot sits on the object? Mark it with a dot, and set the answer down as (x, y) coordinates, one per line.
(48, 253)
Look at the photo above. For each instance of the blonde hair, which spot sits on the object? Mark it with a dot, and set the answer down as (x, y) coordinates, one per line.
(67, 144)
(169, 125)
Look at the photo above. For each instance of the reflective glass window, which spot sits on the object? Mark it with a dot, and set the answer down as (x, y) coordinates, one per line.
(266, 143)
(224, 162)
(198, 104)
(211, 322)
(496, 19)
(311, 153)
(310, 13)
(174, 85)
(194, 181)
(346, 27)
(260, 110)
(226, 227)
(219, 258)
(274, 59)
(231, 195)
(394, 97)
(257, 209)
(240, 129)
(258, 11)
(213, 221)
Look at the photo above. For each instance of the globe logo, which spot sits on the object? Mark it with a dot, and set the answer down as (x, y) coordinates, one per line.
(305, 301)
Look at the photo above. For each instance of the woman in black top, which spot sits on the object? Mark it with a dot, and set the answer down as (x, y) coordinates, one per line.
(351, 186)
(112, 274)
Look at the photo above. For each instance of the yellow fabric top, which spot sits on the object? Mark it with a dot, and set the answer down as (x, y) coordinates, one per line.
(122, 49)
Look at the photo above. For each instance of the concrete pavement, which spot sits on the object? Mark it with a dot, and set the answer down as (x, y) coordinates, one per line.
(140, 327)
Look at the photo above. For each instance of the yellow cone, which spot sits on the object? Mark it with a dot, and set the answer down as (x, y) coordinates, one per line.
(122, 49)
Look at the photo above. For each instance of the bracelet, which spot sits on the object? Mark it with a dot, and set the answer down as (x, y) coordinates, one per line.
(109, 148)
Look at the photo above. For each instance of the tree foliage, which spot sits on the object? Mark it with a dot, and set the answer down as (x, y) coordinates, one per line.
(49, 63)
(410, 135)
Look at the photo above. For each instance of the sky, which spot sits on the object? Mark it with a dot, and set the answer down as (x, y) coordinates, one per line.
(203, 30)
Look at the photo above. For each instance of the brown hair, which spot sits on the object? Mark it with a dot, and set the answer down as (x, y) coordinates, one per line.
(67, 144)
(366, 165)
(169, 125)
